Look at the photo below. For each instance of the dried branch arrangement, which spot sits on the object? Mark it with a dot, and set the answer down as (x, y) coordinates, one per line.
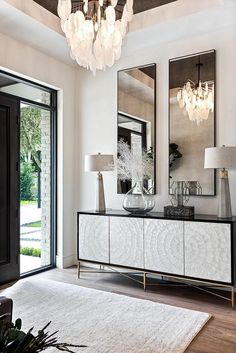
(131, 166)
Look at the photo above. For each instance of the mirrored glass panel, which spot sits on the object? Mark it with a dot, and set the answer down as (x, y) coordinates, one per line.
(192, 121)
(136, 121)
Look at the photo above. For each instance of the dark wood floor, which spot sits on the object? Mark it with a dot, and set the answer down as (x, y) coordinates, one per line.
(219, 334)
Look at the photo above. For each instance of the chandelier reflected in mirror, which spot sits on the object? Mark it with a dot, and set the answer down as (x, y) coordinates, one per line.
(94, 30)
(197, 98)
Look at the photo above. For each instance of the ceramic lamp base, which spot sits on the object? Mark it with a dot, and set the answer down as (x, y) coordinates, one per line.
(225, 210)
(100, 198)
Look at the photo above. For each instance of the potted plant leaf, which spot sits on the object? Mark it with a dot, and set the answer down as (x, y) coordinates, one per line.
(14, 340)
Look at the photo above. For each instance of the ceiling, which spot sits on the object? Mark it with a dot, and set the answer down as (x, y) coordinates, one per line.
(183, 69)
(139, 5)
(167, 24)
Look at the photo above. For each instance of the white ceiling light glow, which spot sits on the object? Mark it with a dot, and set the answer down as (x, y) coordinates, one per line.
(93, 31)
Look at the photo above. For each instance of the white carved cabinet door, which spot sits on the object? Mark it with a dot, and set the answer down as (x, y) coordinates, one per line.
(126, 241)
(94, 238)
(208, 250)
(163, 246)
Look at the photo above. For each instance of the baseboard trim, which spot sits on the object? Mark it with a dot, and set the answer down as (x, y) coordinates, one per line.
(65, 261)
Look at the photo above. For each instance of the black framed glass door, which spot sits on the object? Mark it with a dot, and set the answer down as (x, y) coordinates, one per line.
(35, 187)
(36, 151)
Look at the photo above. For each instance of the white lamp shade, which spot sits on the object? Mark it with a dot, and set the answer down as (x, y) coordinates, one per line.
(220, 157)
(98, 162)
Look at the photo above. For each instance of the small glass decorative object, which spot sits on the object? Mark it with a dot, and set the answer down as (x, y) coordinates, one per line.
(138, 199)
(179, 198)
(179, 193)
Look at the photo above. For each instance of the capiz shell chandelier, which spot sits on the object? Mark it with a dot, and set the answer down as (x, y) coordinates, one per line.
(197, 98)
(93, 31)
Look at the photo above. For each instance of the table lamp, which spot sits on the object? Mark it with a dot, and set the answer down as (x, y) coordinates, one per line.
(98, 163)
(222, 158)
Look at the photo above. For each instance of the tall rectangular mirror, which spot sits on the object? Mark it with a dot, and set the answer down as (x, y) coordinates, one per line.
(136, 121)
(192, 121)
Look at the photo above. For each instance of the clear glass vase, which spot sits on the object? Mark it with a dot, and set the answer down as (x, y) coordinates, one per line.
(138, 200)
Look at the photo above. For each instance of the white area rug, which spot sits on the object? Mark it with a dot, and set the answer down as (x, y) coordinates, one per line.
(105, 322)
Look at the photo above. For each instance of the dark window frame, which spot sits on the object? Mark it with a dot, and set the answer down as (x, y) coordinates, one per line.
(53, 127)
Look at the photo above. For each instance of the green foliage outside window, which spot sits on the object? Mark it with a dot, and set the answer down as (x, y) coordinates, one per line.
(27, 182)
(30, 251)
(30, 145)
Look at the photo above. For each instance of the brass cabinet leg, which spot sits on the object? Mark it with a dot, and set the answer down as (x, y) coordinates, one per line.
(144, 281)
(232, 297)
(78, 268)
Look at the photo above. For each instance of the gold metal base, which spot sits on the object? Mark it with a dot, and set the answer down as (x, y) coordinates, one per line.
(183, 281)
(224, 173)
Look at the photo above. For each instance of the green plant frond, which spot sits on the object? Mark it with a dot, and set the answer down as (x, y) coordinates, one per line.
(14, 340)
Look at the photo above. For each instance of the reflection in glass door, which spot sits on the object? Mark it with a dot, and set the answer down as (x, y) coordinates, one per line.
(35, 187)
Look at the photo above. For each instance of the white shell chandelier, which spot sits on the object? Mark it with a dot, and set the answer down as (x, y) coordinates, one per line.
(197, 98)
(93, 32)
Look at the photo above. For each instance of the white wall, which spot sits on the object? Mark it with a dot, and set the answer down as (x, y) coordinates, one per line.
(23, 59)
(96, 106)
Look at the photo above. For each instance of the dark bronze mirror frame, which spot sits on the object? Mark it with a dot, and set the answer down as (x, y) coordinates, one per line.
(146, 70)
(213, 69)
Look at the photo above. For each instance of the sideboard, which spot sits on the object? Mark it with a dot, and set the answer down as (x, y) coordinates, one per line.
(201, 249)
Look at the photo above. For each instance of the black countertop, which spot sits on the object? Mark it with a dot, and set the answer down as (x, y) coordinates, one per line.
(160, 215)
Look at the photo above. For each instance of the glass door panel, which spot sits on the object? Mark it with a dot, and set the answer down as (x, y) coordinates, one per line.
(35, 188)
